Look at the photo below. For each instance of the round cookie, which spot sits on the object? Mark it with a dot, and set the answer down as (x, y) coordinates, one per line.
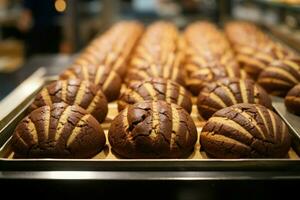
(245, 131)
(153, 129)
(174, 74)
(292, 100)
(74, 91)
(107, 79)
(280, 76)
(230, 91)
(203, 76)
(155, 89)
(255, 60)
(60, 131)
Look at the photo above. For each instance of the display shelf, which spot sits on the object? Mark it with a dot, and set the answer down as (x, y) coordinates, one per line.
(275, 4)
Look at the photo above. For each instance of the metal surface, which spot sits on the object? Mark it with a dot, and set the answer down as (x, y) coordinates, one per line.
(293, 121)
(148, 175)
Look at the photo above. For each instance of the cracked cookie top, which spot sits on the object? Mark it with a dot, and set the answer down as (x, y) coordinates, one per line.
(74, 91)
(153, 129)
(109, 81)
(230, 91)
(245, 131)
(155, 89)
(60, 131)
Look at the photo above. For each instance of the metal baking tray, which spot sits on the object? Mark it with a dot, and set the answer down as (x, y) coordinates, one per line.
(106, 165)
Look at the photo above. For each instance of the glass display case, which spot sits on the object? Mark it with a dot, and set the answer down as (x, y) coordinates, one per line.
(206, 178)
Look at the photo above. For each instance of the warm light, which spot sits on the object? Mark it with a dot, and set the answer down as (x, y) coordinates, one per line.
(60, 5)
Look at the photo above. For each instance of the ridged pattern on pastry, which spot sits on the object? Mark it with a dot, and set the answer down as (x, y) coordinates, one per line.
(230, 91)
(153, 129)
(155, 89)
(292, 100)
(280, 76)
(60, 131)
(209, 56)
(74, 91)
(254, 49)
(109, 81)
(245, 131)
(158, 54)
(113, 48)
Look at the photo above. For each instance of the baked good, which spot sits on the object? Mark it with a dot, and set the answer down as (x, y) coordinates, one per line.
(245, 131)
(174, 74)
(74, 91)
(230, 91)
(209, 56)
(159, 53)
(60, 131)
(280, 76)
(153, 129)
(253, 48)
(112, 49)
(204, 76)
(292, 100)
(109, 81)
(155, 89)
(254, 60)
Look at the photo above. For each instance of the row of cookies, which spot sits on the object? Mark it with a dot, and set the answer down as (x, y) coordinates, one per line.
(151, 129)
(154, 121)
(275, 68)
(64, 118)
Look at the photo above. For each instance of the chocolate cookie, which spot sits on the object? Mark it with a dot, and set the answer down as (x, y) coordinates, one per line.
(158, 54)
(245, 131)
(280, 76)
(203, 76)
(153, 129)
(292, 100)
(155, 89)
(112, 50)
(254, 49)
(255, 60)
(230, 91)
(74, 91)
(60, 131)
(175, 74)
(109, 81)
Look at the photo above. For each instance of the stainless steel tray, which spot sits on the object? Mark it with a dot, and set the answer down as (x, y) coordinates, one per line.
(107, 167)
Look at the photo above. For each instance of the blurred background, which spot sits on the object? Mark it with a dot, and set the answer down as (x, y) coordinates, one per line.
(35, 33)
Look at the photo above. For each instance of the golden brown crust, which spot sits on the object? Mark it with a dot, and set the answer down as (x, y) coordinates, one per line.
(280, 76)
(254, 49)
(109, 81)
(292, 100)
(113, 48)
(230, 91)
(208, 56)
(73, 91)
(158, 54)
(155, 89)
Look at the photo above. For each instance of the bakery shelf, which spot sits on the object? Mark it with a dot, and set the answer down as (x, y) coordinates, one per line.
(277, 4)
